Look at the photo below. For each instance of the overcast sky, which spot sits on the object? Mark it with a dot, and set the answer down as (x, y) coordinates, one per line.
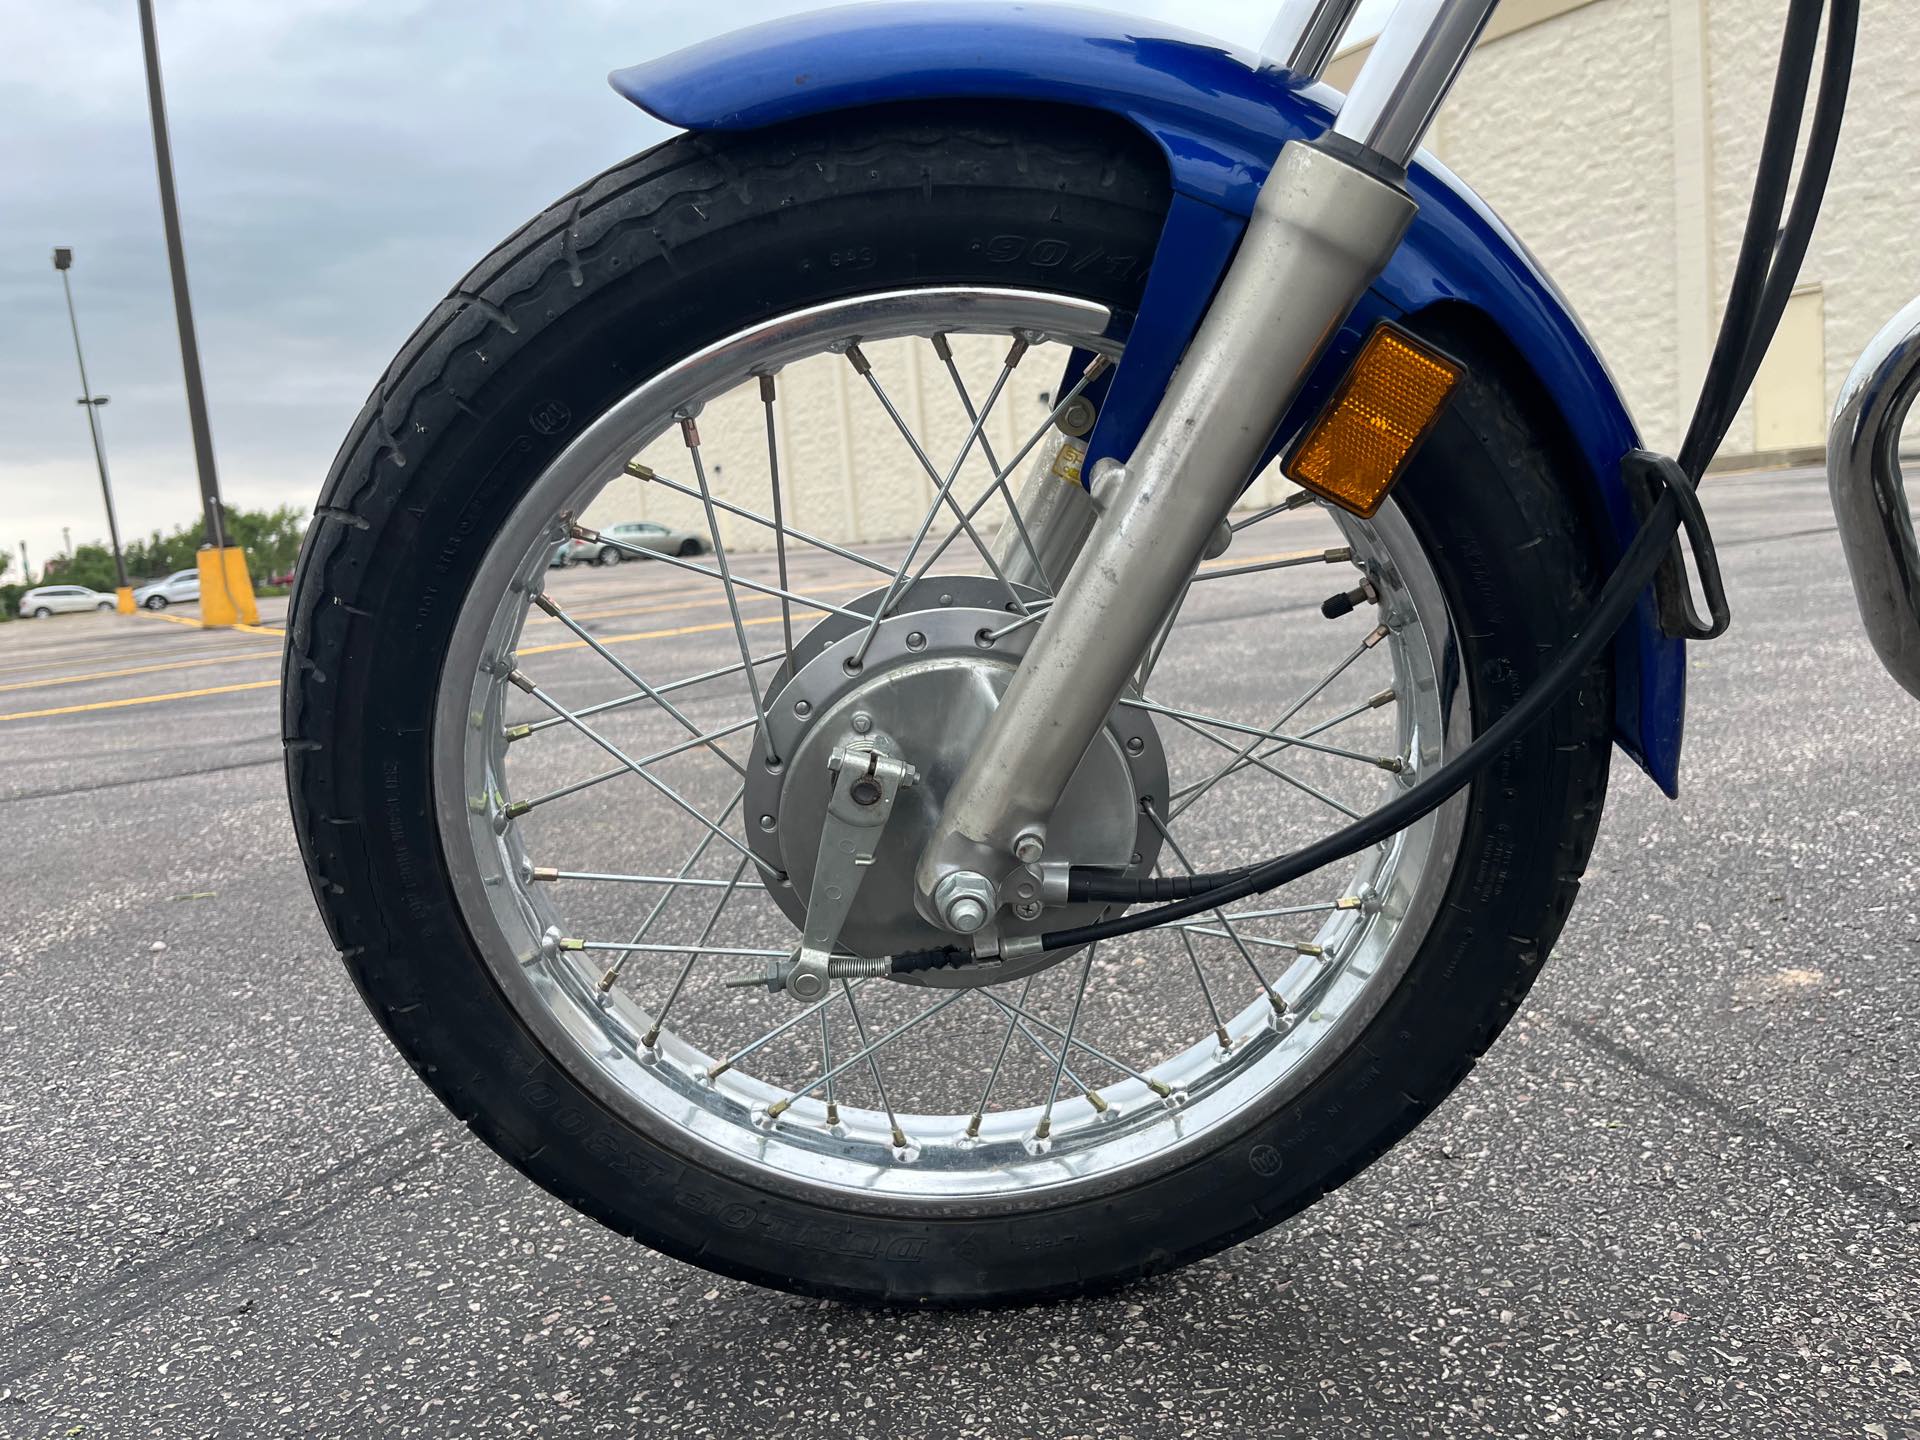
(340, 163)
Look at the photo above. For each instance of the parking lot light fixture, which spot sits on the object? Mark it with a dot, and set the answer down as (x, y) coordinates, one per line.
(123, 593)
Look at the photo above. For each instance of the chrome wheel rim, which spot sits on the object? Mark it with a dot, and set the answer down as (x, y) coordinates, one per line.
(845, 1130)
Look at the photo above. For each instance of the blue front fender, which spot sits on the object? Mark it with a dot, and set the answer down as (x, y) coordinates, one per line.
(1221, 120)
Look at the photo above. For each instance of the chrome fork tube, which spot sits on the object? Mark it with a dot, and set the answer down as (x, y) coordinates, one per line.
(1324, 226)
(1305, 34)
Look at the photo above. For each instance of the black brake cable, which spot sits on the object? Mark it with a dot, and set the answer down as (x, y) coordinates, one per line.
(1768, 263)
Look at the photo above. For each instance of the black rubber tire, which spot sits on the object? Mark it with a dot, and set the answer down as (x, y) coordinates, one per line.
(691, 547)
(42, 613)
(607, 556)
(677, 248)
(156, 602)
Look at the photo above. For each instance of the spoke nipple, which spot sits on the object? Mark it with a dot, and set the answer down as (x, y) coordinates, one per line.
(973, 1128)
(1385, 697)
(1165, 1092)
(519, 679)
(1380, 633)
(1299, 500)
(857, 358)
(1338, 554)
(582, 532)
(766, 388)
(714, 1074)
(607, 981)
(1043, 1129)
(1100, 1107)
(690, 432)
(1392, 764)
(544, 872)
(1347, 902)
(1279, 1005)
(1226, 1040)
(568, 943)
(516, 809)
(833, 1113)
(1309, 950)
(1098, 366)
(941, 349)
(545, 602)
(1017, 351)
(640, 470)
(899, 1138)
(778, 1108)
(518, 732)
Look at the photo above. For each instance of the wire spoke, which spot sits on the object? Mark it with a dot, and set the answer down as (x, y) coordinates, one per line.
(993, 1075)
(1391, 763)
(945, 492)
(521, 807)
(945, 489)
(678, 882)
(767, 395)
(626, 760)
(691, 433)
(775, 1033)
(1291, 779)
(632, 676)
(868, 1049)
(776, 523)
(1339, 668)
(1094, 367)
(1339, 554)
(1045, 1127)
(534, 727)
(693, 955)
(742, 582)
(944, 351)
(1299, 500)
(1076, 1042)
(1166, 834)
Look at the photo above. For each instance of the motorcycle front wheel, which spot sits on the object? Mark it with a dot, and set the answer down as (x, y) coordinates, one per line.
(546, 825)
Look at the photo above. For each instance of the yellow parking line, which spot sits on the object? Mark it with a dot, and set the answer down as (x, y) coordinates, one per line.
(141, 700)
(202, 625)
(139, 670)
(718, 625)
(257, 629)
(146, 614)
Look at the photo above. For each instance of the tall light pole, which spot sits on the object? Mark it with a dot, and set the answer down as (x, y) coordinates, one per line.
(226, 592)
(63, 262)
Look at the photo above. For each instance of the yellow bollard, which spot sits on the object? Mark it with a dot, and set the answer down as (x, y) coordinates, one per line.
(226, 590)
(123, 599)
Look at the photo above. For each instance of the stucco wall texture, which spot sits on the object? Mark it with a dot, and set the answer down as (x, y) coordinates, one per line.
(1618, 138)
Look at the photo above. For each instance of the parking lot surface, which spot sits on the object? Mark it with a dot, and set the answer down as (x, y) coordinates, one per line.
(1681, 1195)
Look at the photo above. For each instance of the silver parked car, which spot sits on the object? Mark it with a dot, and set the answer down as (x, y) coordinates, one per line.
(643, 534)
(158, 594)
(56, 599)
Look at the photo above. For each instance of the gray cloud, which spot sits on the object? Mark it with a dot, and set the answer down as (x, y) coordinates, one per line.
(340, 165)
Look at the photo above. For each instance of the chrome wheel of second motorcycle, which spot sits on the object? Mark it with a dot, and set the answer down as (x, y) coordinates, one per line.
(631, 786)
(823, 388)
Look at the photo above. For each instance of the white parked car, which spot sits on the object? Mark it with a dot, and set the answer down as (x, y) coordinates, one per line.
(54, 599)
(180, 585)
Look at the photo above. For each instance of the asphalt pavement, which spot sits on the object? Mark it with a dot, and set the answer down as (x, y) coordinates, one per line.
(1681, 1196)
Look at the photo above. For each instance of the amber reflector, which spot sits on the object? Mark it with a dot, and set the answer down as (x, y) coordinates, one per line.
(1354, 452)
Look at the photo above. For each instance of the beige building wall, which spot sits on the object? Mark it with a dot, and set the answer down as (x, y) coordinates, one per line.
(1618, 139)
(846, 474)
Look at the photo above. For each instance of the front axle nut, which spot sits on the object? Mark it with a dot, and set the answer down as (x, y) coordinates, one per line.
(966, 901)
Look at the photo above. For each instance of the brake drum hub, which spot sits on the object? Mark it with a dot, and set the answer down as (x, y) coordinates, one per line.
(932, 675)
